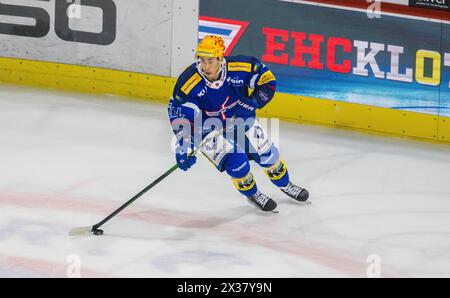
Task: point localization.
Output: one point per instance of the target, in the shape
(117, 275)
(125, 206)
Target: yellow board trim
(300, 109)
(85, 79)
(191, 83)
(372, 119)
(239, 66)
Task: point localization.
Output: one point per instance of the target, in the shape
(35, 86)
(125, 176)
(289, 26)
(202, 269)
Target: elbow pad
(263, 94)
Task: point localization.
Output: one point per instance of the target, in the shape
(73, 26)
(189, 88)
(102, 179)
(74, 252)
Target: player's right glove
(184, 160)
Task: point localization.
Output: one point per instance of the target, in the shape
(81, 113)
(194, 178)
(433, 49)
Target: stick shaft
(167, 173)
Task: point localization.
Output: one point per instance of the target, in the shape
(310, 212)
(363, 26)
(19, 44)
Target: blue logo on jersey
(246, 106)
(236, 81)
(175, 112)
(203, 92)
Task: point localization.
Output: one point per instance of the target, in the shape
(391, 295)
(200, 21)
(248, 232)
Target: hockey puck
(98, 232)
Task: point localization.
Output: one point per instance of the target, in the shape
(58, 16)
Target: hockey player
(214, 90)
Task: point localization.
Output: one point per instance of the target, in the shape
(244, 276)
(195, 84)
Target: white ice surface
(69, 160)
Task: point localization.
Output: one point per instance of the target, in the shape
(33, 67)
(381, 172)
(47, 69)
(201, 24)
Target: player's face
(210, 67)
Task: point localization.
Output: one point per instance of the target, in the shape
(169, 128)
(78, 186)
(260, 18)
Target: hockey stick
(95, 228)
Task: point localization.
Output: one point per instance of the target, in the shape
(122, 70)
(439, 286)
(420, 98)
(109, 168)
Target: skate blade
(259, 211)
(301, 203)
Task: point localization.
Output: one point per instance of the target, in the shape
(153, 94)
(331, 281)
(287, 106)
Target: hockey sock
(238, 167)
(246, 185)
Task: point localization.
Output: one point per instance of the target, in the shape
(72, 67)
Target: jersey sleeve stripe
(192, 106)
(253, 80)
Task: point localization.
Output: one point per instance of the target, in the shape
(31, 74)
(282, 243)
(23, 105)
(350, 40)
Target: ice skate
(262, 201)
(295, 192)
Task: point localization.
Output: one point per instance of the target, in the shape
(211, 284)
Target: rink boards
(403, 90)
(286, 106)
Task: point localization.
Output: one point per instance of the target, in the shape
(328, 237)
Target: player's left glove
(184, 160)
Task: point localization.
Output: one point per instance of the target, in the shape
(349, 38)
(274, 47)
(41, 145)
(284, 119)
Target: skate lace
(260, 199)
(292, 189)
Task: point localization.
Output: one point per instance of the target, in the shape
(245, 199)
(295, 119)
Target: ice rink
(379, 205)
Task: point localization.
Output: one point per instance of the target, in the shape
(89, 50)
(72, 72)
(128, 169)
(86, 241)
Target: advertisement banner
(133, 35)
(435, 4)
(344, 54)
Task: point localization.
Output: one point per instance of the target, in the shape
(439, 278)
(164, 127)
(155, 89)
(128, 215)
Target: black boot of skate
(295, 192)
(262, 201)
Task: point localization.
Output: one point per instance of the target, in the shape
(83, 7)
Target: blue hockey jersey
(195, 96)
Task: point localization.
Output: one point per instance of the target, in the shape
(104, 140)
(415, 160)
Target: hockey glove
(184, 161)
